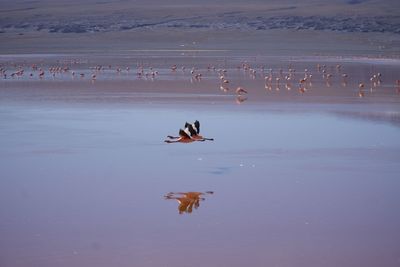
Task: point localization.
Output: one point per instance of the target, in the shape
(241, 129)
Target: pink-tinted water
(298, 179)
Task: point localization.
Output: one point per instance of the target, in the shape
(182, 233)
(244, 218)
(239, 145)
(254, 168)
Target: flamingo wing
(182, 133)
(197, 125)
(191, 130)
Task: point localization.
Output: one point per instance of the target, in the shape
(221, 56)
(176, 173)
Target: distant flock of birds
(288, 78)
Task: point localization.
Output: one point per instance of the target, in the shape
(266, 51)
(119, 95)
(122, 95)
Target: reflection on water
(240, 99)
(188, 200)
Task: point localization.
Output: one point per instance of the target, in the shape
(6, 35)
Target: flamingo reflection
(240, 99)
(187, 200)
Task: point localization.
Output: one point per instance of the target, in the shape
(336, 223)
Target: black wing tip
(191, 130)
(197, 124)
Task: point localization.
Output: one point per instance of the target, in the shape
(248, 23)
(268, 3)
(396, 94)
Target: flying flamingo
(194, 130)
(184, 137)
(188, 135)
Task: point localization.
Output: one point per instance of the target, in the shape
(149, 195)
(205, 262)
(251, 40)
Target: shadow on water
(188, 200)
(221, 170)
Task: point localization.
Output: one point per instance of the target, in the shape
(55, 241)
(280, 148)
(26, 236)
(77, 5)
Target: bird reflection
(187, 200)
(398, 86)
(240, 99)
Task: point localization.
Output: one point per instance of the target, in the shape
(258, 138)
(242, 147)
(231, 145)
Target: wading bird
(240, 91)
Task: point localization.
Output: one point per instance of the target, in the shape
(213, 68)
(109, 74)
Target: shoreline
(227, 43)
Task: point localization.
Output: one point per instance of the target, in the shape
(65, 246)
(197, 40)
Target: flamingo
(184, 137)
(240, 91)
(224, 88)
(194, 130)
(188, 135)
(360, 90)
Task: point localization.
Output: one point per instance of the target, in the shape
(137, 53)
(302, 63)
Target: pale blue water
(84, 186)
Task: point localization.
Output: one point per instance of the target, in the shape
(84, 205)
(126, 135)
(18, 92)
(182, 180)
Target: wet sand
(299, 178)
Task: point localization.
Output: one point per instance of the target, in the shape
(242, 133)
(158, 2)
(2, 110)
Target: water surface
(295, 183)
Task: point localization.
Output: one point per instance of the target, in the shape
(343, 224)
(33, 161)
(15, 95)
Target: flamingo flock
(274, 79)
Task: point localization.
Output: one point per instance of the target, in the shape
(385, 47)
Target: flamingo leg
(171, 141)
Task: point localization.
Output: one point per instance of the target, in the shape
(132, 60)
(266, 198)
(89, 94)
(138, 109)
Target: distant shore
(337, 28)
(225, 21)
